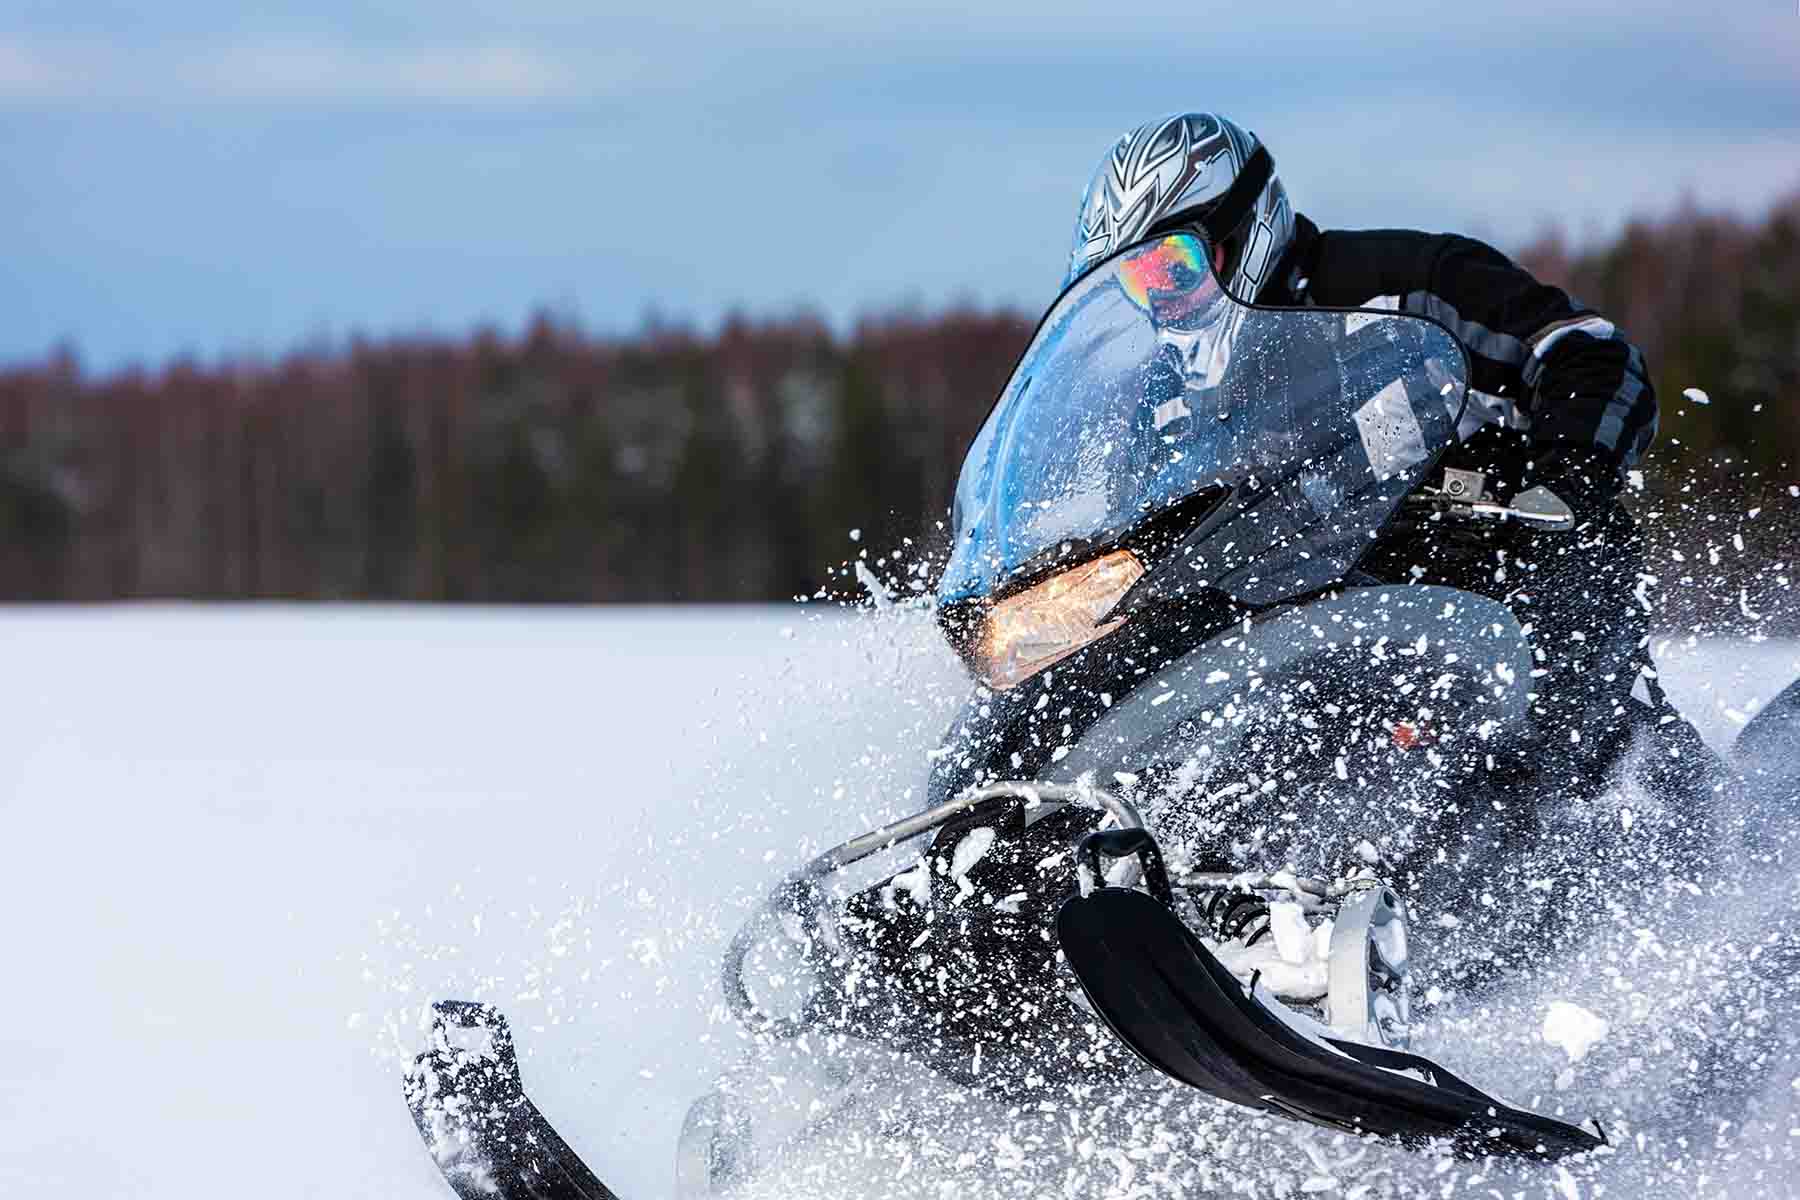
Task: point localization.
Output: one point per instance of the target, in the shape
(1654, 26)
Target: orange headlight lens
(1025, 633)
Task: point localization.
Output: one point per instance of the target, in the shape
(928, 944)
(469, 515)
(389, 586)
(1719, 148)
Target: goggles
(1171, 272)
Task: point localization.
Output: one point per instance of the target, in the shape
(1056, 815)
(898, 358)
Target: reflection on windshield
(1147, 382)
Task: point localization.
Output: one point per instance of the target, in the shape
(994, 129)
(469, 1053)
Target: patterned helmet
(1192, 170)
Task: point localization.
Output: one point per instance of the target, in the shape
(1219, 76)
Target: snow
(970, 850)
(1293, 936)
(233, 833)
(1293, 963)
(246, 846)
(1572, 1029)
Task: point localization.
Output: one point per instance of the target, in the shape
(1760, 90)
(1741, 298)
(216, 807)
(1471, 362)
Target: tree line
(724, 466)
(554, 466)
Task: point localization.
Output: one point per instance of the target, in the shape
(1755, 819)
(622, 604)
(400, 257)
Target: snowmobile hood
(1147, 384)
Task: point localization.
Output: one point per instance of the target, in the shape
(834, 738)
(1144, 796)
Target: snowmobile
(1202, 788)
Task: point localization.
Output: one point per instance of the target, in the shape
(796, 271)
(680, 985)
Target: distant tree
(732, 466)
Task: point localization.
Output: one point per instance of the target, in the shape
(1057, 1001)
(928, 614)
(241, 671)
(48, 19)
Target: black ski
(485, 1134)
(1165, 995)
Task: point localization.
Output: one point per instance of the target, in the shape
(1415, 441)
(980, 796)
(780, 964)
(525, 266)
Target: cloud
(152, 150)
(26, 71)
(321, 72)
(1519, 179)
(302, 71)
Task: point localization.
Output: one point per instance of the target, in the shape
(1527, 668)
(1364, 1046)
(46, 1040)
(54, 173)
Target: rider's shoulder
(1350, 265)
(1371, 262)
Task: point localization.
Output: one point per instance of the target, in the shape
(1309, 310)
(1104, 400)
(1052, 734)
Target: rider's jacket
(1541, 362)
(1558, 397)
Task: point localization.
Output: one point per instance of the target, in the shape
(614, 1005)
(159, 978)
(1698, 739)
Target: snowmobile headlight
(1025, 633)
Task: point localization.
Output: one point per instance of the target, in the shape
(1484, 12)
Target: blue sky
(230, 178)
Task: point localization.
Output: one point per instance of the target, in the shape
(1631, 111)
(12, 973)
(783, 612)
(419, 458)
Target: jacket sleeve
(1581, 386)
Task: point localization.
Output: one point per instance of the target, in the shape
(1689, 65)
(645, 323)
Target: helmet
(1191, 170)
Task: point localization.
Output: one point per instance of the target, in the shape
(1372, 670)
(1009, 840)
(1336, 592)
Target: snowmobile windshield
(1147, 384)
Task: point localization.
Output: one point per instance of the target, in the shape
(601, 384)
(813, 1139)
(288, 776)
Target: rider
(1557, 397)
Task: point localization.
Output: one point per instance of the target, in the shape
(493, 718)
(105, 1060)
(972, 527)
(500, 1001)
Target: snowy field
(244, 846)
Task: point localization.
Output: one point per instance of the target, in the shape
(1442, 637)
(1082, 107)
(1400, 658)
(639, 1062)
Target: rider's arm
(1583, 387)
(1538, 359)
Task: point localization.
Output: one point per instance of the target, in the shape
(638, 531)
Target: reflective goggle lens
(1174, 266)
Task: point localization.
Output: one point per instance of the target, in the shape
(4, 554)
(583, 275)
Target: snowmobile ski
(484, 1133)
(1164, 994)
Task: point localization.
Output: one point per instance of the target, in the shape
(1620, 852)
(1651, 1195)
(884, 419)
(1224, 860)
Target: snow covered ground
(243, 846)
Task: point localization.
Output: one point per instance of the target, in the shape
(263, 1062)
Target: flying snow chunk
(879, 596)
(1293, 936)
(1573, 1029)
(970, 850)
(1696, 395)
(914, 884)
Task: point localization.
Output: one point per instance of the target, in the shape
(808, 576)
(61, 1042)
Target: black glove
(1583, 477)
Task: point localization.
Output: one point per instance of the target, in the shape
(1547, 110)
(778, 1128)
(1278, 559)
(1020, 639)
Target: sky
(228, 179)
